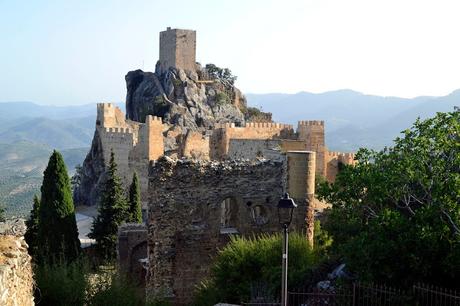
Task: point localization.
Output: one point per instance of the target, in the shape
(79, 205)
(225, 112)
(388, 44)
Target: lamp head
(286, 207)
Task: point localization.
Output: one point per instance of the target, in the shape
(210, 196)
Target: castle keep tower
(178, 49)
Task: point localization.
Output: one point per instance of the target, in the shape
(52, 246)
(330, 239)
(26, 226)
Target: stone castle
(207, 169)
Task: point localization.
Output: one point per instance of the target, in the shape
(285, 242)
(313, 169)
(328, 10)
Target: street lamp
(286, 207)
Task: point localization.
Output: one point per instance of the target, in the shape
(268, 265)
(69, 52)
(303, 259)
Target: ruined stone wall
(16, 277)
(178, 49)
(195, 205)
(195, 145)
(132, 251)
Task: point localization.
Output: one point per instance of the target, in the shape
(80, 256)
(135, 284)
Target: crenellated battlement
(269, 125)
(224, 125)
(110, 115)
(311, 122)
(151, 118)
(118, 130)
(340, 154)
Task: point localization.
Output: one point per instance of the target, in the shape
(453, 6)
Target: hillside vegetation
(21, 172)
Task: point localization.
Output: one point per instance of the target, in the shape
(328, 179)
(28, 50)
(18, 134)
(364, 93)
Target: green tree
(224, 74)
(396, 214)
(32, 223)
(113, 211)
(255, 261)
(57, 228)
(134, 200)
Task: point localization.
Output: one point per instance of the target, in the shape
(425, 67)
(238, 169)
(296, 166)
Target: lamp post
(286, 207)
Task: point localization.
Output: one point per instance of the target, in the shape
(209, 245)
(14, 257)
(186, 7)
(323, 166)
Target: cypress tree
(134, 199)
(113, 210)
(31, 235)
(57, 228)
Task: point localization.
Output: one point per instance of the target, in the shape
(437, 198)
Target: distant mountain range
(353, 119)
(29, 132)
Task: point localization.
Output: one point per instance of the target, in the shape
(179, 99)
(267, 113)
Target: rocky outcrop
(16, 277)
(88, 179)
(182, 99)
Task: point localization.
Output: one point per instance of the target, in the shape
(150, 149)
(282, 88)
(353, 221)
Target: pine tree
(134, 200)
(31, 235)
(57, 228)
(113, 211)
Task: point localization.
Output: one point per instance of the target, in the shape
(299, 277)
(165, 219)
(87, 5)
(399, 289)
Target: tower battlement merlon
(150, 118)
(311, 122)
(178, 49)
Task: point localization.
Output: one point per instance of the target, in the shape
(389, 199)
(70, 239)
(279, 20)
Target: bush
(115, 290)
(247, 261)
(61, 284)
(222, 98)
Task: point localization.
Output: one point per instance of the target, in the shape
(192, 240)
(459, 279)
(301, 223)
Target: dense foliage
(396, 214)
(113, 211)
(245, 262)
(32, 223)
(57, 234)
(224, 74)
(134, 200)
(77, 284)
(60, 284)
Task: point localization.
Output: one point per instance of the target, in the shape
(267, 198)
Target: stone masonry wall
(16, 278)
(178, 49)
(132, 250)
(312, 132)
(195, 145)
(195, 205)
(333, 161)
(263, 148)
(251, 130)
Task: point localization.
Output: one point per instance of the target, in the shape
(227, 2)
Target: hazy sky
(76, 52)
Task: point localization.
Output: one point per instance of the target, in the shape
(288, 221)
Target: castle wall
(178, 49)
(252, 130)
(195, 145)
(153, 138)
(301, 184)
(194, 207)
(312, 132)
(110, 116)
(255, 148)
(333, 162)
(133, 143)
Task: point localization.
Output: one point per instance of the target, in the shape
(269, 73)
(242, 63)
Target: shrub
(222, 98)
(115, 290)
(247, 261)
(61, 284)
